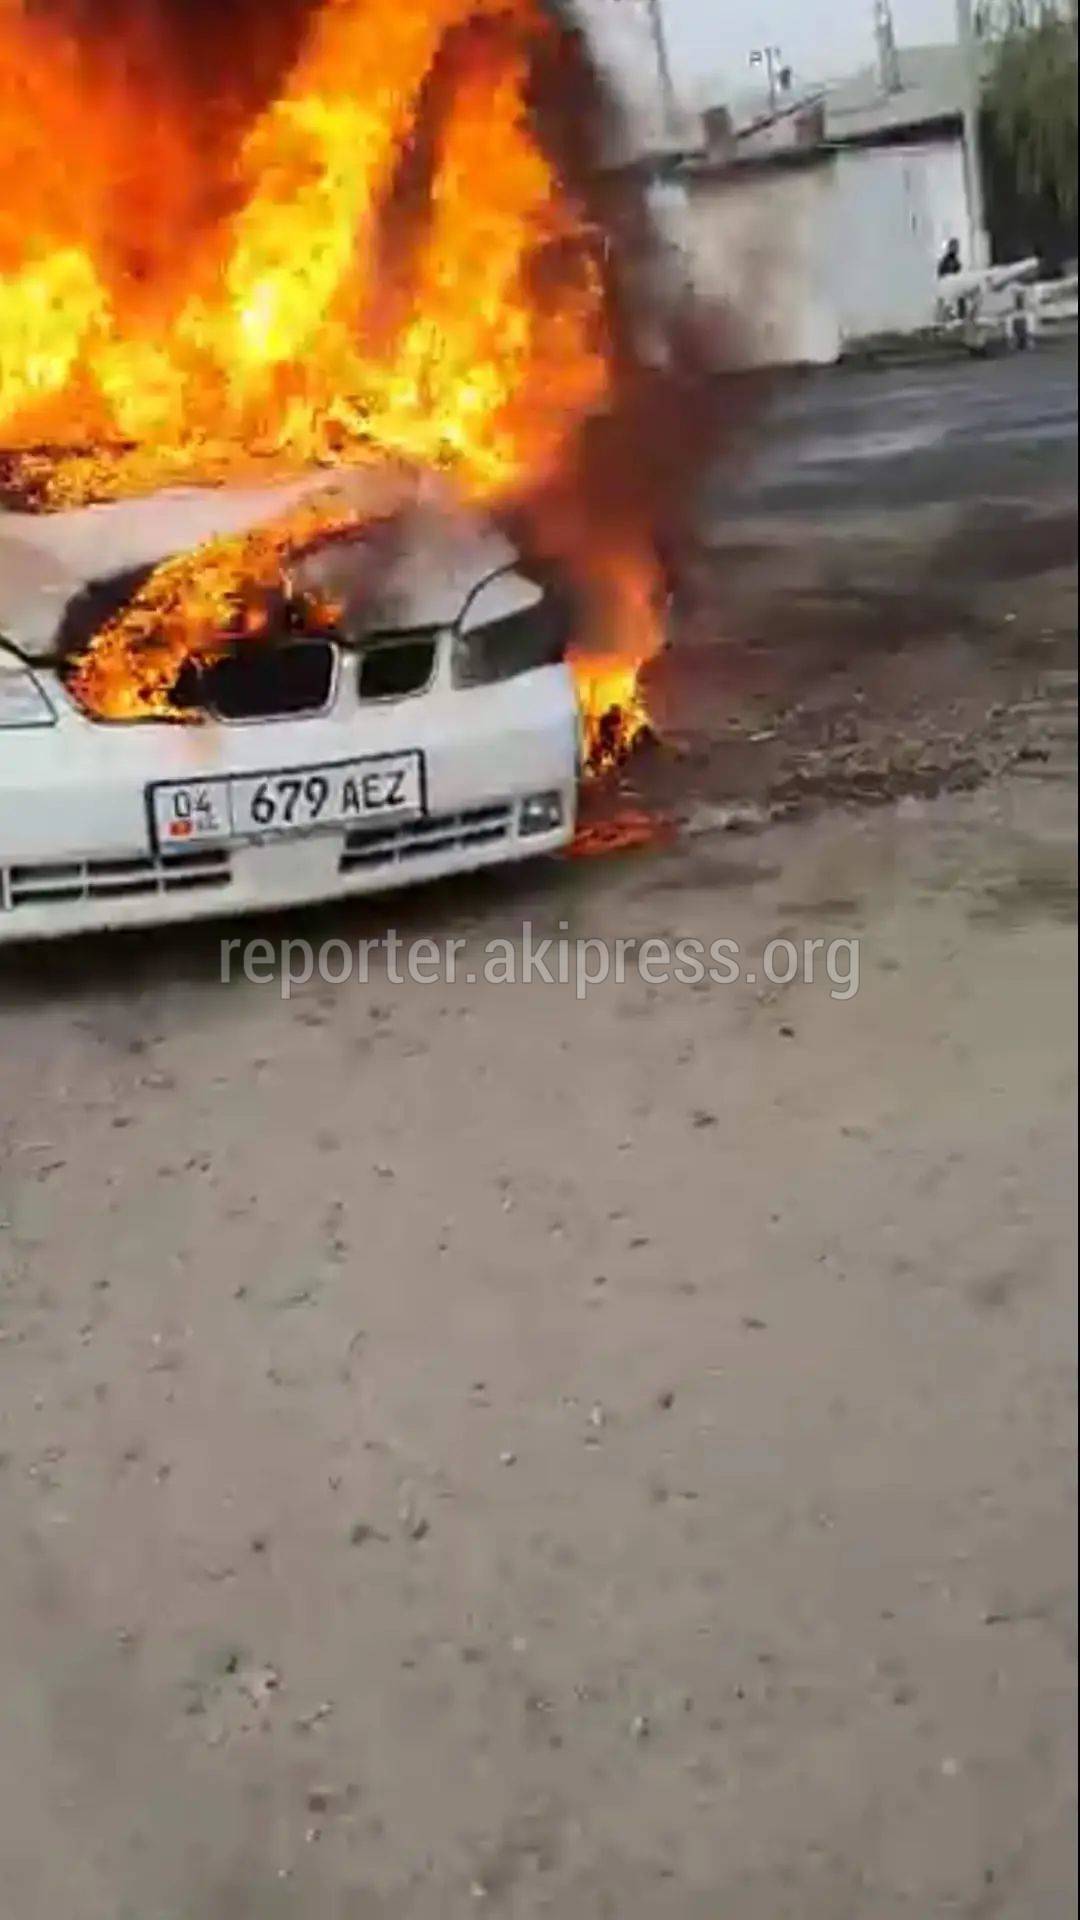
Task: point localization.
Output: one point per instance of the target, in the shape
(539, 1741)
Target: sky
(710, 40)
(819, 38)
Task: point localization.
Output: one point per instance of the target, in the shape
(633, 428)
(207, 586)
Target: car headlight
(510, 626)
(22, 702)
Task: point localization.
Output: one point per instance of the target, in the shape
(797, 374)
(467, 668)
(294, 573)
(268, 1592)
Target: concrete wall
(893, 209)
(816, 255)
(759, 245)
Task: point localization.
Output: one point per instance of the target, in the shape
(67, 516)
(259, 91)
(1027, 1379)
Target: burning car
(397, 708)
(279, 364)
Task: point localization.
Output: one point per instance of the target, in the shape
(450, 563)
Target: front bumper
(75, 848)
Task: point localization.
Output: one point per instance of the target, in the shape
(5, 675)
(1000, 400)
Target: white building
(823, 223)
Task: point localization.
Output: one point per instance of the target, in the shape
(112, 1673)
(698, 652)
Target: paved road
(966, 431)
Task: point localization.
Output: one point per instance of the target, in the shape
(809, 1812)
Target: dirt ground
(469, 1449)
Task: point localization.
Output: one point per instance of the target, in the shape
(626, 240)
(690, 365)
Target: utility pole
(978, 243)
(663, 64)
(772, 60)
(888, 59)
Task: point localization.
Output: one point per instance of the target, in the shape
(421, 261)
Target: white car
(439, 732)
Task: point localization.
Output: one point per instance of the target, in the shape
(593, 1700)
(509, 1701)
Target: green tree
(1030, 101)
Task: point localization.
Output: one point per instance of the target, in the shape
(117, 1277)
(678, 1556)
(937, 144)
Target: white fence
(1005, 305)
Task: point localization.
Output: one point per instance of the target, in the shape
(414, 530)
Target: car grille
(54, 882)
(439, 833)
(393, 666)
(254, 681)
(58, 882)
(257, 681)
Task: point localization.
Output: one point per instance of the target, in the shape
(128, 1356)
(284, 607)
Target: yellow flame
(270, 333)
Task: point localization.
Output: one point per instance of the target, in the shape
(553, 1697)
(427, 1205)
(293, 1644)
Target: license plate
(251, 806)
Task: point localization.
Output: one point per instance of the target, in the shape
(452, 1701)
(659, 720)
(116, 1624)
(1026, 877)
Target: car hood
(429, 554)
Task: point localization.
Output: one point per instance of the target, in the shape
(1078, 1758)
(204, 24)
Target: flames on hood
(400, 257)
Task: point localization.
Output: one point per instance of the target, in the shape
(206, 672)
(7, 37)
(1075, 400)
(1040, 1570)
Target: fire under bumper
(78, 851)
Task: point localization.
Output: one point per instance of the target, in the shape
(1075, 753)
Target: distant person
(950, 260)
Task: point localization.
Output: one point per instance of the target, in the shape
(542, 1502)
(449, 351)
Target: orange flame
(192, 607)
(279, 330)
